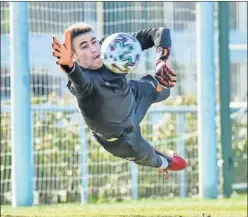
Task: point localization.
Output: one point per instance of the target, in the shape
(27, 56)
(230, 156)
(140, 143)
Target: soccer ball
(121, 53)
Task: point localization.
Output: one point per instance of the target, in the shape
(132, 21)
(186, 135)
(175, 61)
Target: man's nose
(93, 49)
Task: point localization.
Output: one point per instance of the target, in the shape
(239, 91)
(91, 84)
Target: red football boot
(175, 163)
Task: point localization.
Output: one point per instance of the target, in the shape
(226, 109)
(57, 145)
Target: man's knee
(163, 95)
(157, 95)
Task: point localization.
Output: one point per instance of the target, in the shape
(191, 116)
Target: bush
(57, 153)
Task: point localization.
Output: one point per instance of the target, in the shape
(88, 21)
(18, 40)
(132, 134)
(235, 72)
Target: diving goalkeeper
(113, 106)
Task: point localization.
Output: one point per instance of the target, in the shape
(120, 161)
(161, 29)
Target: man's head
(85, 46)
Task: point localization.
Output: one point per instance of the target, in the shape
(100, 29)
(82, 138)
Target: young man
(111, 105)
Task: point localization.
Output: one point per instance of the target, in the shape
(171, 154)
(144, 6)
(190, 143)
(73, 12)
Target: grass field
(234, 207)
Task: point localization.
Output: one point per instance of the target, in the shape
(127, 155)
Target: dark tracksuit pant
(132, 146)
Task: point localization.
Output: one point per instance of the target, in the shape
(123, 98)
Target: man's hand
(164, 75)
(63, 52)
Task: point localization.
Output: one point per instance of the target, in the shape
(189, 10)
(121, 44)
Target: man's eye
(84, 47)
(93, 42)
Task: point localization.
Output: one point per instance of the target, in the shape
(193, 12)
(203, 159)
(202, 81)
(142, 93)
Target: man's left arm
(158, 37)
(161, 39)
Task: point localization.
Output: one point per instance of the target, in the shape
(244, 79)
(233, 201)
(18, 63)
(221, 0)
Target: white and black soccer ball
(121, 52)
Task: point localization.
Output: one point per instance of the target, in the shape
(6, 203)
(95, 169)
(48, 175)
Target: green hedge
(57, 158)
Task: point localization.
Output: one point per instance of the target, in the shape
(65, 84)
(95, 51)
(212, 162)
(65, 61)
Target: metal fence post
(22, 167)
(84, 163)
(181, 151)
(208, 170)
(134, 180)
(224, 80)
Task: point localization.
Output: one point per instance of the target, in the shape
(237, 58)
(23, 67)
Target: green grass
(234, 207)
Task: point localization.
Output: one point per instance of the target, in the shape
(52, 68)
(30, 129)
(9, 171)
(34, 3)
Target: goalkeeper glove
(63, 52)
(164, 75)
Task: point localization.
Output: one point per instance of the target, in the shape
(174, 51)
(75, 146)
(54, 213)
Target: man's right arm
(80, 83)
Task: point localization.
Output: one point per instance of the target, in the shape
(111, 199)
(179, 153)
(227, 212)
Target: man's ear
(74, 56)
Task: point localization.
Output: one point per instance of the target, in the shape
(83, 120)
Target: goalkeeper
(112, 105)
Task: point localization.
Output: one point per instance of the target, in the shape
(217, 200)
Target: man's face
(87, 51)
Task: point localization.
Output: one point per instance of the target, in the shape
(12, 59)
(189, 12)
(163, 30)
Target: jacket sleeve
(79, 84)
(158, 37)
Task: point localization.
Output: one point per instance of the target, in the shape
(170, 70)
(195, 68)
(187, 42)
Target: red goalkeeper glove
(164, 75)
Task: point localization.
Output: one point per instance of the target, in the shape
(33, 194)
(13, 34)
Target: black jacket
(105, 98)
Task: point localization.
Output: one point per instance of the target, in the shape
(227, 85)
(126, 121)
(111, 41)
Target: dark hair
(78, 29)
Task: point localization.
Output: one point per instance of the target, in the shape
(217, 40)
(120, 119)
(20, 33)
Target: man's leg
(146, 93)
(160, 93)
(132, 147)
(146, 155)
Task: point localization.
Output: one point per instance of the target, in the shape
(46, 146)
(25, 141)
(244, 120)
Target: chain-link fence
(57, 131)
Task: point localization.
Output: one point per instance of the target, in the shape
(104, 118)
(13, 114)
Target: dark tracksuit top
(105, 98)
